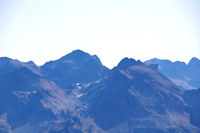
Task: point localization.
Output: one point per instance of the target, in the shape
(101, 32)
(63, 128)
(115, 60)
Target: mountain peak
(127, 62)
(75, 67)
(79, 52)
(5, 59)
(194, 60)
(76, 55)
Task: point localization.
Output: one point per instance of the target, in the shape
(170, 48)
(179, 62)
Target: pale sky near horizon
(43, 30)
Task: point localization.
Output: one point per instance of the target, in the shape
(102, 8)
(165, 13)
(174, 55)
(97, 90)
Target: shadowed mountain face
(134, 97)
(185, 75)
(76, 67)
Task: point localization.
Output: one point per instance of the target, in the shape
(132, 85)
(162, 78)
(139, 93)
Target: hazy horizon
(47, 30)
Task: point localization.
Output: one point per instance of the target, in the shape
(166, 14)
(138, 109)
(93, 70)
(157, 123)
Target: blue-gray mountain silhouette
(77, 94)
(76, 67)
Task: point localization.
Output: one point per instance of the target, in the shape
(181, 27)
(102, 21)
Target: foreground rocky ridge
(76, 93)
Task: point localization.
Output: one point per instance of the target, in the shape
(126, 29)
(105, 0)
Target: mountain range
(185, 75)
(78, 94)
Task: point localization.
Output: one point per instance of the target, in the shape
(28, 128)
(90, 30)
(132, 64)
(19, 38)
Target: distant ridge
(186, 75)
(9, 65)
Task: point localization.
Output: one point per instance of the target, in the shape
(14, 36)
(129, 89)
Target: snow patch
(79, 95)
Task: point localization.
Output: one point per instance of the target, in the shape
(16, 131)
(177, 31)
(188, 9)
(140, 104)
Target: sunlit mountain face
(78, 94)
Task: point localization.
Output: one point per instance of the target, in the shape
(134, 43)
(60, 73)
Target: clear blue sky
(43, 30)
